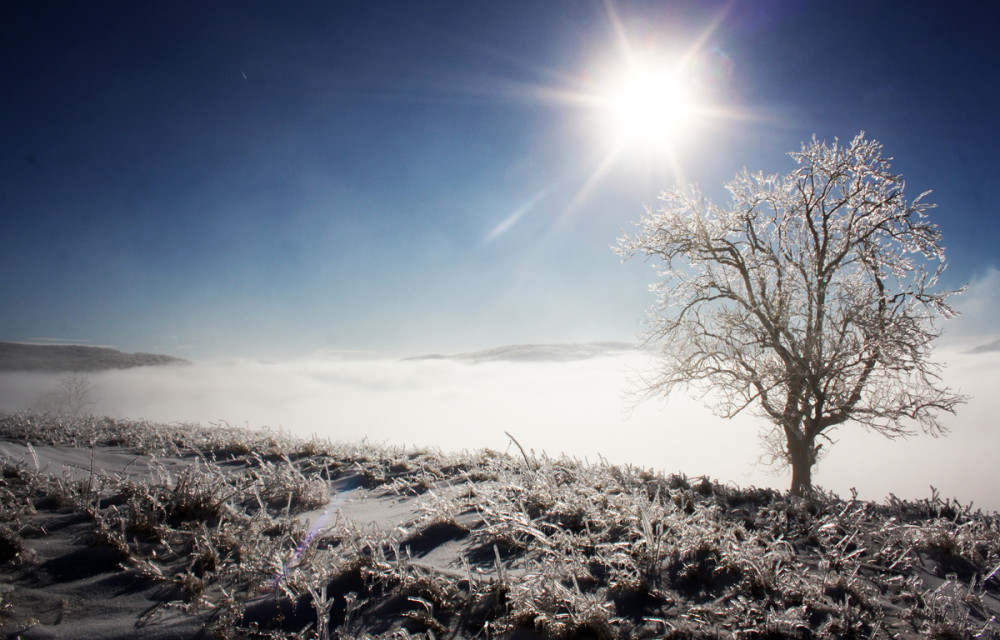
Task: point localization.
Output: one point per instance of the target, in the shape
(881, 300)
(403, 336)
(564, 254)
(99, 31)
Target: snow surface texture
(171, 532)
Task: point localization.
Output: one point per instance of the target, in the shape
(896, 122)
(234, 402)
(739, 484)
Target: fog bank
(581, 408)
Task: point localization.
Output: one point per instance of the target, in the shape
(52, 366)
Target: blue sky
(275, 179)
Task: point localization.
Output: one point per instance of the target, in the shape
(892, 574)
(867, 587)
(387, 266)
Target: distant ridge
(538, 352)
(15, 356)
(987, 347)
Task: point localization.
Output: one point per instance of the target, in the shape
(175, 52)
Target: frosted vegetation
(224, 521)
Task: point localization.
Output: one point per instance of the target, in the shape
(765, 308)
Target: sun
(646, 106)
(650, 105)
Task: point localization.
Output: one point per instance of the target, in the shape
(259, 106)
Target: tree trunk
(801, 456)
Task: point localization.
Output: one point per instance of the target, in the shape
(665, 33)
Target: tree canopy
(811, 298)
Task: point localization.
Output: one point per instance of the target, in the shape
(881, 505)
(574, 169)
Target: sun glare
(652, 105)
(644, 103)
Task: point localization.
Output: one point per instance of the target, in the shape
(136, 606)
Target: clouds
(579, 407)
(980, 309)
(961, 464)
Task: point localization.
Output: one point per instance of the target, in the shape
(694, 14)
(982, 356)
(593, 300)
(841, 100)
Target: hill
(538, 352)
(16, 356)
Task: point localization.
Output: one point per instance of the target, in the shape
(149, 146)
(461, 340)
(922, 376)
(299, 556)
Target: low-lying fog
(579, 407)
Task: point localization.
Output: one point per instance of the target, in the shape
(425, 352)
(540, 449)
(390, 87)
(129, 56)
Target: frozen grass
(497, 546)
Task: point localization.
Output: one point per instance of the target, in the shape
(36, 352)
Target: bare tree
(810, 299)
(72, 397)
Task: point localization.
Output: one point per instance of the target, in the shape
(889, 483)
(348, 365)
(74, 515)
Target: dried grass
(549, 548)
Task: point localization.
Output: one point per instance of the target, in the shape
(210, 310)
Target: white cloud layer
(979, 307)
(580, 408)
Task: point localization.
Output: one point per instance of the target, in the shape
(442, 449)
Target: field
(124, 529)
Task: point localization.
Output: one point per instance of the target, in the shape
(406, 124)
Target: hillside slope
(120, 529)
(15, 356)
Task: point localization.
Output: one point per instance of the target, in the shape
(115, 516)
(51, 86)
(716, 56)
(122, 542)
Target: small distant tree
(71, 397)
(810, 299)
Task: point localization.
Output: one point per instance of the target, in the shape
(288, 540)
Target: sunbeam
(508, 223)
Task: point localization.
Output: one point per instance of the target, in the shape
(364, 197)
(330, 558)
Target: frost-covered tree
(810, 299)
(72, 396)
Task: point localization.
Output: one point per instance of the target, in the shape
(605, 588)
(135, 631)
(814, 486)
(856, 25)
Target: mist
(586, 409)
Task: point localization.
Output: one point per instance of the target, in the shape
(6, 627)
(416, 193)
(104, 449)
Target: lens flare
(332, 508)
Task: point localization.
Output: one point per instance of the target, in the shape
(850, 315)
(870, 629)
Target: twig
(527, 461)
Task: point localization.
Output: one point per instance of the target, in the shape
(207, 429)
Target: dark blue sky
(262, 179)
